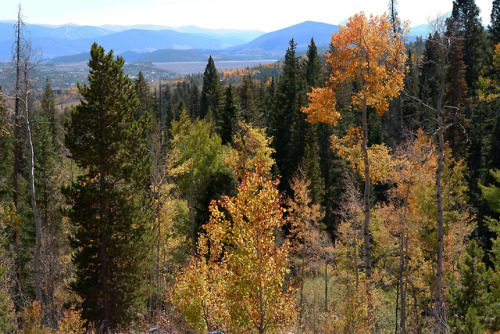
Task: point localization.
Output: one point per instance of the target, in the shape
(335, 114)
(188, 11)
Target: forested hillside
(355, 191)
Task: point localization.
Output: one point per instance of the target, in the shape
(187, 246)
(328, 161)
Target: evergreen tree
(6, 153)
(7, 315)
(466, 22)
(211, 91)
(145, 96)
(194, 107)
(248, 108)
(457, 100)
(229, 116)
(48, 181)
(288, 151)
(168, 111)
(429, 82)
(313, 66)
(312, 166)
(411, 107)
(468, 298)
(494, 279)
(491, 194)
(198, 163)
(109, 206)
(494, 27)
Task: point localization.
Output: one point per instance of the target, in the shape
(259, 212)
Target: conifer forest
(352, 191)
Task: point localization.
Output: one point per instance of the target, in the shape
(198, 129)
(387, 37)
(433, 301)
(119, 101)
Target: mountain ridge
(158, 43)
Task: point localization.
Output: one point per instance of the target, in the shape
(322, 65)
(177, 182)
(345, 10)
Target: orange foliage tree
(366, 51)
(309, 245)
(404, 228)
(237, 281)
(251, 147)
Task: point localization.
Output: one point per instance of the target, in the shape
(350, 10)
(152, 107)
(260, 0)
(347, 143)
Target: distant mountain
(277, 42)
(231, 36)
(151, 43)
(421, 30)
(268, 46)
(69, 32)
(151, 40)
(169, 55)
(76, 58)
(55, 41)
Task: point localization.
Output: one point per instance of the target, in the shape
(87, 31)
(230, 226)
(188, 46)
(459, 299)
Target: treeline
(350, 192)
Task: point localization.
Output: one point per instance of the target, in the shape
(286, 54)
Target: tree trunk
(36, 214)
(17, 55)
(104, 245)
(440, 232)
(301, 297)
(438, 304)
(326, 285)
(366, 195)
(192, 215)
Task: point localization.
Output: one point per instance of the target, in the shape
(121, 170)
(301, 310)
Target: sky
(264, 15)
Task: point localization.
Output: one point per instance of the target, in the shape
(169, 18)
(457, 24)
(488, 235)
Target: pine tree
(494, 27)
(429, 82)
(194, 107)
(468, 298)
(456, 97)
(288, 151)
(109, 208)
(491, 194)
(48, 181)
(246, 95)
(411, 108)
(211, 91)
(313, 66)
(198, 162)
(466, 21)
(145, 97)
(312, 166)
(6, 153)
(229, 116)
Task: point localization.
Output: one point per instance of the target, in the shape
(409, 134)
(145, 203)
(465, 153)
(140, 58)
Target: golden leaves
(365, 51)
(251, 147)
(237, 282)
(489, 90)
(349, 148)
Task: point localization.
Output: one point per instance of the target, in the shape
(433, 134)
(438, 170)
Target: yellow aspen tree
(250, 147)
(308, 243)
(404, 230)
(237, 282)
(366, 51)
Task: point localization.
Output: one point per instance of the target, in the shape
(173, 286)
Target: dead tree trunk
(366, 196)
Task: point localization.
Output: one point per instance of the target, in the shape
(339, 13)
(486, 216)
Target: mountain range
(149, 43)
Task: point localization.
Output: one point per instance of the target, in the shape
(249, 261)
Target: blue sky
(265, 15)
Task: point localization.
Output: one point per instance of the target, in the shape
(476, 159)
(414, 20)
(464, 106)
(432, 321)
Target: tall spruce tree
(456, 96)
(313, 66)
(494, 27)
(229, 116)
(466, 21)
(429, 82)
(6, 153)
(109, 207)
(246, 95)
(468, 298)
(311, 159)
(194, 107)
(211, 91)
(48, 181)
(283, 115)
